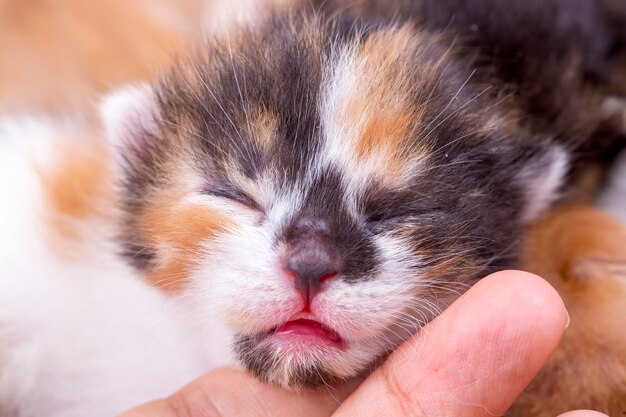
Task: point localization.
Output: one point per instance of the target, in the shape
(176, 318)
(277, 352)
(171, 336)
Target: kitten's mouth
(307, 330)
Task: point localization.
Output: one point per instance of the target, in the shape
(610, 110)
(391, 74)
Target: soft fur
(580, 251)
(81, 334)
(416, 142)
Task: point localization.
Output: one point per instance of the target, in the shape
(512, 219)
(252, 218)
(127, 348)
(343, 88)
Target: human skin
(471, 361)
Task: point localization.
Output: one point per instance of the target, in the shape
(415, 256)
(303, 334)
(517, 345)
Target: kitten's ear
(542, 174)
(129, 116)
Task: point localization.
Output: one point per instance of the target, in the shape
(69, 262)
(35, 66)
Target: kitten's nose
(310, 263)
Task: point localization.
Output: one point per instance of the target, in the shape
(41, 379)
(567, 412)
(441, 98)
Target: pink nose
(310, 264)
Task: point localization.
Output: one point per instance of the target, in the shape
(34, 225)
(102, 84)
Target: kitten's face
(323, 190)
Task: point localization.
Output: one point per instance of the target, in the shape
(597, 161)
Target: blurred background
(59, 55)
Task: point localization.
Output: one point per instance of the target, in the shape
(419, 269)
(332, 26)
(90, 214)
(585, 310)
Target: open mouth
(304, 328)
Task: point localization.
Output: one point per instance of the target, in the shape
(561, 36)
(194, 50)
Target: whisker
(451, 101)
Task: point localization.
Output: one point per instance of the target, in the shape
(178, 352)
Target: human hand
(471, 361)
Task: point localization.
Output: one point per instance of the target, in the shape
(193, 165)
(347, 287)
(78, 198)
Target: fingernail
(569, 320)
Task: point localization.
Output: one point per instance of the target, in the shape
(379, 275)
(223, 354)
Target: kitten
(300, 197)
(580, 251)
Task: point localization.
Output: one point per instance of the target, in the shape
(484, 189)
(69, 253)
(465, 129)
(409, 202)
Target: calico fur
(80, 333)
(416, 149)
(374, 134)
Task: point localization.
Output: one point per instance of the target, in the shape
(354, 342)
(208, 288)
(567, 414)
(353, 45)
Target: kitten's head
(323, 186)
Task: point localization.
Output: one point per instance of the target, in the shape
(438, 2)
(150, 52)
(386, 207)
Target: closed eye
(232, 193)
(391, 214)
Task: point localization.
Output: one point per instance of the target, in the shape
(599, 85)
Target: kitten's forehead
(289, 105)
(247, 103)
(367, 109)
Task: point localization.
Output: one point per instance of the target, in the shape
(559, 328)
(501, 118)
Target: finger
(583, 413)
(474, 359)
(233, 393)
(160, 408)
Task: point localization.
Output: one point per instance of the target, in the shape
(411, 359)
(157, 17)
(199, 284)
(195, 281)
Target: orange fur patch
(264, 129)
(388, 116)
(78, 186)
(177, 230)
(582, 252)
(374, 110)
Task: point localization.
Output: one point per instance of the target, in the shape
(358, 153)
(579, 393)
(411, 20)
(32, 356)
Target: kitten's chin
(296, 355)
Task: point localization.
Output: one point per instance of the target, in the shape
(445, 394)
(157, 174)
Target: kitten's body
(381, 147)
(81, 333)
(581, 252)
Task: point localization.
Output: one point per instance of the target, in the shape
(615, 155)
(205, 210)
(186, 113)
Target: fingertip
(521, 281)
(484, 350)
(537, 294)
(160, 408)
(584, 413)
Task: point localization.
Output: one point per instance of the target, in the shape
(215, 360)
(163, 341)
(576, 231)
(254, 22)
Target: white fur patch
(616, 106)
(82, 336)
(541, 181)
(219, 16)
(343, 81)
(613, 198)
(126, 113)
